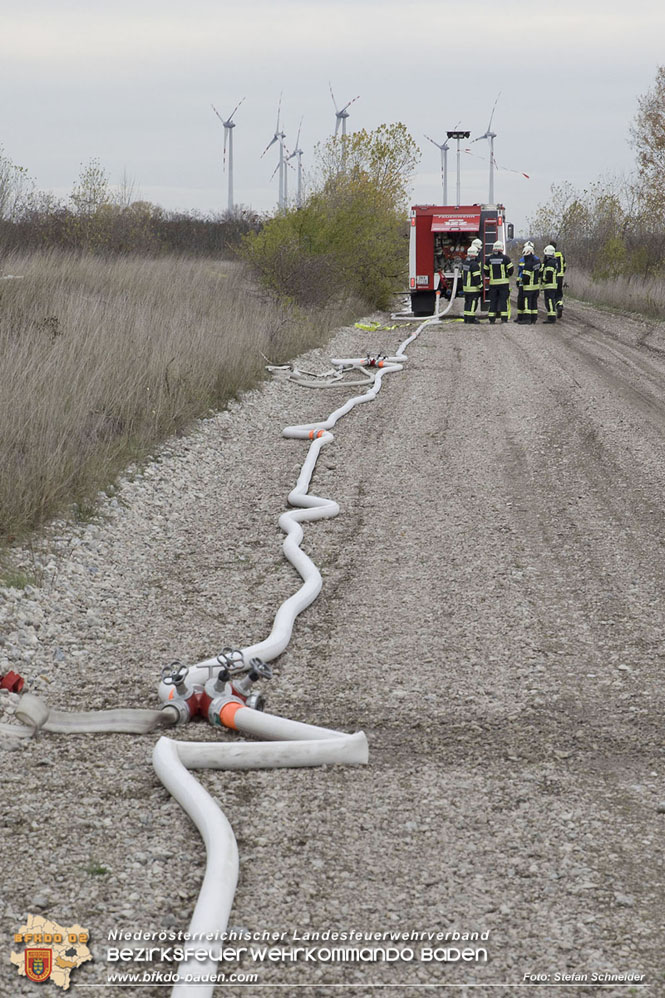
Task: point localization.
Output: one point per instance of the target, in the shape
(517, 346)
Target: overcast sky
(131, 83)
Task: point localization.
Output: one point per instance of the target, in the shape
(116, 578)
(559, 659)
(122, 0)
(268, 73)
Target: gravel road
(491, 617)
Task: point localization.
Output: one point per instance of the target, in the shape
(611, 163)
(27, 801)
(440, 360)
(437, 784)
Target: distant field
(101, 359)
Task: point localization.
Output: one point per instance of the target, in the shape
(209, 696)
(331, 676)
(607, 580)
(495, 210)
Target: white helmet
(528, 247)
(472, 250)
(549, 251)
(478, 243)
(498, 245)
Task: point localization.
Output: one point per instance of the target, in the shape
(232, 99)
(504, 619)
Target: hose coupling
(222, 710)
(12, 681)
(178, 710)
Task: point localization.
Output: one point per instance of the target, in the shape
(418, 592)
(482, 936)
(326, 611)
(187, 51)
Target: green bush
(348, 238)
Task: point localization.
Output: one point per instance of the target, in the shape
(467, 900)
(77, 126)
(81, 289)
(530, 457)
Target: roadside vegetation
(102, 358)
(612, 232)
(351, 229)
(119, 324)
(105, 220)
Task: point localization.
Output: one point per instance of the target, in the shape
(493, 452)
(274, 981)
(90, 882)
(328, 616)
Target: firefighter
(521, 315)
(498, 269)
(548, 282)
(478, 243)
(559, 279)
(530, 285)
(472, 274)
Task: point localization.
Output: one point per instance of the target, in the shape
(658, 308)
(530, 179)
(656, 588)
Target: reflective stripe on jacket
(561, 263)
(498, 267)
(531, 273)
(549, 273)
(472, 276)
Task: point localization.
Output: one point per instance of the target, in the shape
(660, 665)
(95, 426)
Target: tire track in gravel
(507, 560)
(498, 556)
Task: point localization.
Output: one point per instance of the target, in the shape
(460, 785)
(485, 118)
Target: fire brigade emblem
(38, 964)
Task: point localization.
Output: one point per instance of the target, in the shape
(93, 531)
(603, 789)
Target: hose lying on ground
(291, 743)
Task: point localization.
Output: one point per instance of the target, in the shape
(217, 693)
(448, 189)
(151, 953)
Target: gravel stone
(491, 617)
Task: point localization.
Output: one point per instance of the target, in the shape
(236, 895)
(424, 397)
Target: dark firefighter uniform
(498, 269)
(472, 286)
(548, 282)
(521, 315)
(561, 261)
(531, 286)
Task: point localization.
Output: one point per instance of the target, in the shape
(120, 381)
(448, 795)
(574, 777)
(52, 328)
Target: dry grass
(631, 294)
(101, 359)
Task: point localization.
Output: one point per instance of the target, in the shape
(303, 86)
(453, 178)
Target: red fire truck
(439, 237)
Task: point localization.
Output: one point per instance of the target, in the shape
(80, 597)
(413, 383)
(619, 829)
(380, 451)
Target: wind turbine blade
(485, 136)
(279, 108)
(333, 97)
(432, 141)
(217, 113)
(274, 172)
(235, 108)
(298, 136)
(337, 121)
(351, 102)
(489, 127)
(273, 140)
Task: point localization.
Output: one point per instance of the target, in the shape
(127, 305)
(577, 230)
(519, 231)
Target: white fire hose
(188, 691)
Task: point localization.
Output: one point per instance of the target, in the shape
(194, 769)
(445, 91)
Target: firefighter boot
(534, 318)
(559, 311)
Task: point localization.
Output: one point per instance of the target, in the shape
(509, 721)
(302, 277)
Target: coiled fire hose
(226, 704)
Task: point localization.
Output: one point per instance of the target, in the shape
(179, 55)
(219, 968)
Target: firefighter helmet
(549, 250)
(478, 243)
(472, 250)
(498, 245)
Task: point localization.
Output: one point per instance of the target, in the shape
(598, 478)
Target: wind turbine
(299, 153)
(287, 167)
(490, 136)
(229, 125)
(343, 114)
(444, 147)
(278, 137)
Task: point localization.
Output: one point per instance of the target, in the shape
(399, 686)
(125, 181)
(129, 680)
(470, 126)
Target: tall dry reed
(645, 295)
(102, 358)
